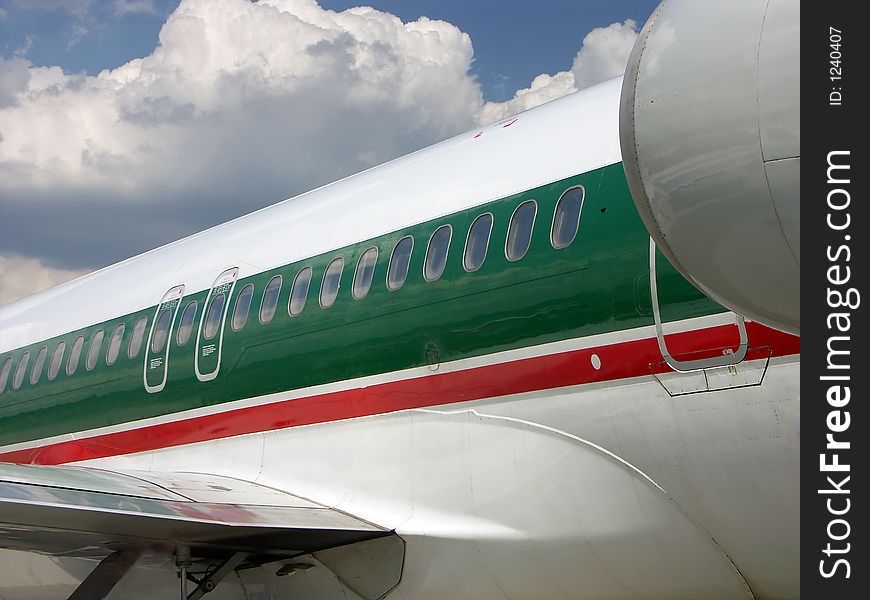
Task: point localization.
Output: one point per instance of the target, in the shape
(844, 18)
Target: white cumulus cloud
(603, 55)
(127, 7)
(240, 105)
(21, 276)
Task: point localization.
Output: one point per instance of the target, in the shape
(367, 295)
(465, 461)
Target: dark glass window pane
(299, 293)
(566, 220)
(436, 253)
(270, 299)
(214, 316)
(399, 262)
(243, 307)
(331, 282)
(365, 270)
(185, 325)
(520, 231)
(477, 242)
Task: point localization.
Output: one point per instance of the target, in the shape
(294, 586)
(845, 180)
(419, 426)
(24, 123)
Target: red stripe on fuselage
(618, 361)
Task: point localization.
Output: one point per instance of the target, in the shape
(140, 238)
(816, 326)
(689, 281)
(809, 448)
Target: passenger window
(185, 326)
(243, 307)
(477, 242)
(399, 262)
(365, 270)
(73, 362)
(94, 350)
(56, 360)
(19, 372)
(270, 299)
(214, 316)
(331, 282)
(137, 337)
(36, 372)
(520, 230)
(566, 219)
(436, 253)
(299, 293)
(115, 344)
(4, 373)
(161, 331)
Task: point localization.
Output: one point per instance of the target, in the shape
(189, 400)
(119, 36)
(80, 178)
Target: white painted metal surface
(570, 135)
(710, 131)
(634, 493)
(632, 487)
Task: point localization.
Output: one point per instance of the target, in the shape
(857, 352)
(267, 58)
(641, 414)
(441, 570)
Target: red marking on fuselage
(617, 361)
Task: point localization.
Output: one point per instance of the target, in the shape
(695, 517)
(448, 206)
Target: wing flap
(75, 511)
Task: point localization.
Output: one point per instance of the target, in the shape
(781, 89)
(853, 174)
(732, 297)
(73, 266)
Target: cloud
(78, 33)
(20, 276)
(14, 77)
(127, 7)
(603, 55)
(75, 7)
(240, 105)
(25, 47)
(3, 13)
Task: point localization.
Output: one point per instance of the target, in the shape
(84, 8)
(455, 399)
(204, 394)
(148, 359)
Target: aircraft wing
(115, 517)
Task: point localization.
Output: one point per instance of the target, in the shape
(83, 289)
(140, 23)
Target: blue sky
(242, 105)
(513, 41)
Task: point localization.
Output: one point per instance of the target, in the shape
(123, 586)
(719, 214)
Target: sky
(126, 124)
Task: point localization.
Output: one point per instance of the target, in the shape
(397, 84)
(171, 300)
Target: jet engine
(710, 137)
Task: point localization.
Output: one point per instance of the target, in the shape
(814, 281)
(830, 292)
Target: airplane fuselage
(494, 390)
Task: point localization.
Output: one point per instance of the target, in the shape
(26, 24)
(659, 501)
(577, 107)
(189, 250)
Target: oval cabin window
(477, 242)
(519, 235)
(566, 219)
(20, 370)
(161, 331)
(399, 263)
(4, 373)
(436, 253)
(331, 282)
(137, 337)
(185, 325)
(115, 344)
(75, 354)
(214, 316)
(365, 271)
(94, 350)
(56, 361)
(299, 293)
(38, 364)
(270, 299)
(243, 307)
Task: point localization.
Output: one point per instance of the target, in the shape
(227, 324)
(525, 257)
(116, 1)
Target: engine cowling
(710, 136)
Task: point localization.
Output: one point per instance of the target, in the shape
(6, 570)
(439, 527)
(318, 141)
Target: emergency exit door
(209, 337)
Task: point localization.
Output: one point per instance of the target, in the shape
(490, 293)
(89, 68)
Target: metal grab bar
(686, 366)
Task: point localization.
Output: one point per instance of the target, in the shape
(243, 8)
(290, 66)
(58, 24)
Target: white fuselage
(613, 489)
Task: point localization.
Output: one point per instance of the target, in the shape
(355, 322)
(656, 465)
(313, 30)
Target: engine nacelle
(710, 136)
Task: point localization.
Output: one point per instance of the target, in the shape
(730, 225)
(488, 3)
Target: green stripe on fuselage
(598, 284)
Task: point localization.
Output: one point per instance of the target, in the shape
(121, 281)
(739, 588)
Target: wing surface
(79, 511)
